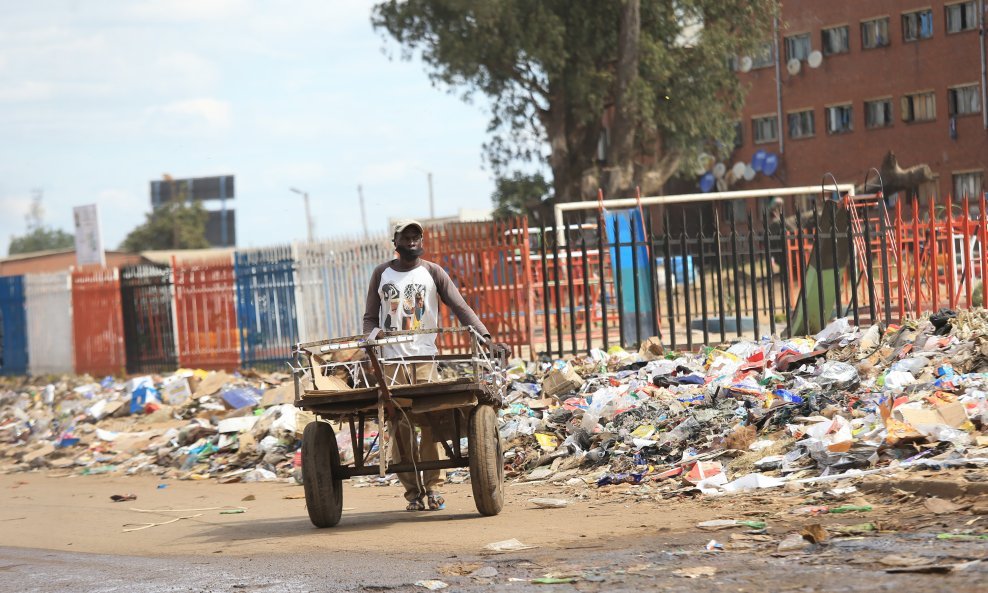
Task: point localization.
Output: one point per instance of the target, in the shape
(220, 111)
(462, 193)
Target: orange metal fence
(206, 314)
(97, 322)
(490, 263)
(933, 257)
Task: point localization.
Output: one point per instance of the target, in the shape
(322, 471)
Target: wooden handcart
(348, 381)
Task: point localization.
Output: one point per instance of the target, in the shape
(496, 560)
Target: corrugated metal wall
(332, 284)
(50, 335)
(13, 326)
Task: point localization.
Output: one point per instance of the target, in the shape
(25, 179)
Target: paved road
(647, 564)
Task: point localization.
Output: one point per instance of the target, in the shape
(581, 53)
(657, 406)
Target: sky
(100, 97)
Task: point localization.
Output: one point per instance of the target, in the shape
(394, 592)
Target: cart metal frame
(470, 390)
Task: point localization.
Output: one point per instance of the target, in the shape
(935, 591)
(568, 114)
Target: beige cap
(404, 224)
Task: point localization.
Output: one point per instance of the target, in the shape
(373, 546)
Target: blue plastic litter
(240, 397)
(142, 395)
(788, 396)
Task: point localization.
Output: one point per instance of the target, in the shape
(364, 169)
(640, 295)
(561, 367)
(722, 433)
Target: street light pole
(432, 202)
(308, 213)
(363, 211)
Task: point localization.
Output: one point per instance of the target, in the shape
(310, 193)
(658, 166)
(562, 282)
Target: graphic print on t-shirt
(413, 306)
(390, 300)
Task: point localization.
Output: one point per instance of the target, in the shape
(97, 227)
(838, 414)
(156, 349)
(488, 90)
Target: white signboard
(88, 236)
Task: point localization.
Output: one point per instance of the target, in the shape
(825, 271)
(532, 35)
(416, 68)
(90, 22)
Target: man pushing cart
(394, 372)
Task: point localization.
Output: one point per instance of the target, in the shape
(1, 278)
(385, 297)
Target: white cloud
(191, 69)
(191, 113)
(27, 90)
(297, 172)
(389, 170)
(188, 10)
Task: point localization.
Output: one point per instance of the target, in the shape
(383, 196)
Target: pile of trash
(192, 424)
(747, 415)
(757, 414)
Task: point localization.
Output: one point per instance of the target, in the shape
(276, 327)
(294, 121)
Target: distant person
(410, 287)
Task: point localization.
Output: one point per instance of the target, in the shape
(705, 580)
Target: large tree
(39, 236)
(175, 225)
(557, 72)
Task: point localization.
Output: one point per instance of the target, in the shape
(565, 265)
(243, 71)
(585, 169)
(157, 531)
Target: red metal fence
(490, 263)
(924, 258)
(97, 322)
(206, 314)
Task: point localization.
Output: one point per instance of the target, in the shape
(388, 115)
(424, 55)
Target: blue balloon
(707, 182)
(758, 160)
(771, 164)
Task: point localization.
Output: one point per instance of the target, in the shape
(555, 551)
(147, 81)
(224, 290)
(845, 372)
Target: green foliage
(549, 70)
(175, 225)
(41, 239)
(518, 194)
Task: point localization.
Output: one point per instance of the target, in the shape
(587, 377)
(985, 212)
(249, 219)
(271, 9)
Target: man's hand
(497, 349)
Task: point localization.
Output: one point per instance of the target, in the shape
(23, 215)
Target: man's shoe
(436, 502)
(415, 505)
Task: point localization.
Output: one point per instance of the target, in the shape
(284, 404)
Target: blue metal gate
(266, 314)
(13, 326)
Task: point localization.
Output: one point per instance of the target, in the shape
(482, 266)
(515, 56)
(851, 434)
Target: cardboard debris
(561, 380)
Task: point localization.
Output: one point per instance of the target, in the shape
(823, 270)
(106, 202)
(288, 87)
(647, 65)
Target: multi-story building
(846, 81)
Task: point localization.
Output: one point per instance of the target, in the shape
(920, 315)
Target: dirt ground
(65, 534)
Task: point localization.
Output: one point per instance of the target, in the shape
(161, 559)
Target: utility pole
(363, 212)
(308, 213)
(432, 202)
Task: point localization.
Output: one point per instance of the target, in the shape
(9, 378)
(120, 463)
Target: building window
(875, 33)
(917, 25)
(798, 47)
(835, 40)
(968, 184)
(878, 113)
(964, 100)
(919, 107)
(839, 119)
(738, 134)
(801, 124)
(764, 129)
(764, 56)
(962, 16)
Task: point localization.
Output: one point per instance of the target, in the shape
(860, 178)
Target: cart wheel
(321, 474)
(486, 461)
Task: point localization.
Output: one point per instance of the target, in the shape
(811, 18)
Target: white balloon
(720, 169)
(749, 173)
(738, 169)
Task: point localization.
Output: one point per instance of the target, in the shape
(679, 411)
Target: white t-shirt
(409, 301)
(405, 300)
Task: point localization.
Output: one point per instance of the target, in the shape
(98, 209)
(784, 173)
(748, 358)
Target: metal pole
(363, 211)
(558, 209)
(309, 223)
(981, 54)
(308, 218)
(432, 202)
(778, 84)
(223, 240)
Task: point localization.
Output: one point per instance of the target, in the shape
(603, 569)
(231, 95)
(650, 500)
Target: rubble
(744, 416)
(751, 415)
(192, 424)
